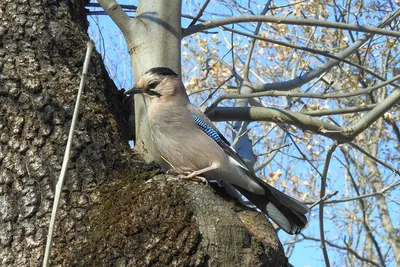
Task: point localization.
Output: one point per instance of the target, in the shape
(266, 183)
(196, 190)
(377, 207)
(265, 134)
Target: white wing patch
(237, 163)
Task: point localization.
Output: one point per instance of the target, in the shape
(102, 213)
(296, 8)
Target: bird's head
(158, 83)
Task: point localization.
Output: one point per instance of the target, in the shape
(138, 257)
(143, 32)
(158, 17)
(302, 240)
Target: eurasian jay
(191, 144)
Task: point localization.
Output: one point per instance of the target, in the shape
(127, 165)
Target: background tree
(335, 74)
(318, 88)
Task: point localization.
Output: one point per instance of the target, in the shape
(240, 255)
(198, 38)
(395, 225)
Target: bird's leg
(195, 174)
(195, 178)
(183, 176)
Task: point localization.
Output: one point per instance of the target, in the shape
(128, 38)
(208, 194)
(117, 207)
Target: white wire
(90, 46)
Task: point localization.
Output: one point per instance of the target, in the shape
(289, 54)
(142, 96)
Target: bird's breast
(182, 143)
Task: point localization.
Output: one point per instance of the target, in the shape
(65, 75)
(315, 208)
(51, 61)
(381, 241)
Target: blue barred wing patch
(207, 129)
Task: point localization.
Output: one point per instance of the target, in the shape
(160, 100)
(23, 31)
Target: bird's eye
(152, 92)
(152, 85)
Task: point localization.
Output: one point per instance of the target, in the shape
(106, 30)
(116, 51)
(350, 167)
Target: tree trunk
(42, 48)
(110, 214)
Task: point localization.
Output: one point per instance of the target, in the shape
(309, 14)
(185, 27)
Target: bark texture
(110, 214)
(141, 220)
(42, 47)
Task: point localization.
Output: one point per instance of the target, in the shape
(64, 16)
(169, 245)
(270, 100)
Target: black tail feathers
(284, 210)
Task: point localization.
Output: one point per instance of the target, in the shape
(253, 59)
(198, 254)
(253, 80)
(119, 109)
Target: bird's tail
(284, 210)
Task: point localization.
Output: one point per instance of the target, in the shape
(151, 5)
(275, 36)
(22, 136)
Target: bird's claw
(172, 172)
(187, 175)
(193, 176)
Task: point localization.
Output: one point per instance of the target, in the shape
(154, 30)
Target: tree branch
(302, 48)
(394, 170)
(347, 199)
(326, 112)
(347, 249)
(299, 81)
(253, 42)
(374, 114)
(117, 14)
(306, 95)
(321, 204)
(200, 13)
(276, 115)
(291, 21)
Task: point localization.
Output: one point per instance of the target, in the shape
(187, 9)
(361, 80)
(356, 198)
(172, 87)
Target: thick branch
(280, 116)
(375, 113)
(117, 14)
(340, 134)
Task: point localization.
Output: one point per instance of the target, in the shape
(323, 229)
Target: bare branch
(321, 204)
(328, 196)
(299, 81)
(302, 48)
(200, 13)
(253, 42)
(306, 95)
(347, 199)
(276, 115)
(117, 14)
(393, 169)
(291, 21)
(272, 152)
(130, 7)
(326, 112)
(347, 249)
(374, 114)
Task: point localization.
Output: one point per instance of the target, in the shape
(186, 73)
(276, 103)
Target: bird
(193, 146)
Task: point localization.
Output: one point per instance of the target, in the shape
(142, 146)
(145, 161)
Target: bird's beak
(133, 91)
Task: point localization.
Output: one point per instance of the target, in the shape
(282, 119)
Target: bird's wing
(286, 211)
(202, 117)
(214, 134)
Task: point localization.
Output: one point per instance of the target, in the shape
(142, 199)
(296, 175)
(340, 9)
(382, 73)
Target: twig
(325, 112)
(131, 8)
(265, 162)
(396, 171)
(302, 48)
(321, 204)
(291, 21)
(347, 249)
(303, 79)
(242, 133)
(253, 42)
(276, 93)
(328, 196)
(200, 13)
(381, 192)
(90, 46)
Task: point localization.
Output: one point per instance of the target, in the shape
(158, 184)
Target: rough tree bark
(114, 210)
(42, 47)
